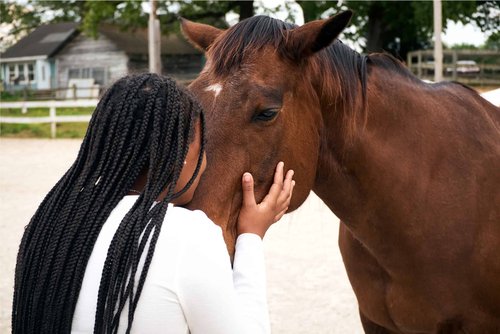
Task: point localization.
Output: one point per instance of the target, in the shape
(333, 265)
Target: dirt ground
(307, 285)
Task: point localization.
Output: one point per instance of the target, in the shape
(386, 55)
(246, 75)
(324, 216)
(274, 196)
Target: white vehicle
(465, 67)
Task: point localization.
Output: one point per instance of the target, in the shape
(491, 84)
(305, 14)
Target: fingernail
(246, 177)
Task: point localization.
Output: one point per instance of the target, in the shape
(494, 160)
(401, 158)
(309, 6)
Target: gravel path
(307, 284)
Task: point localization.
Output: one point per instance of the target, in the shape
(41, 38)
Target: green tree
(128, 14)
(493, 42)
(22, 18)
(464, 46)
(18, 17)
(394, 26)
(402, 26)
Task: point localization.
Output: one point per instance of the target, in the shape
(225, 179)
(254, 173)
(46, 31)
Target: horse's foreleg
(367, 279)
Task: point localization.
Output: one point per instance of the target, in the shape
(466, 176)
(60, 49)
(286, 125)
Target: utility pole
(438, 45)
(154, 39)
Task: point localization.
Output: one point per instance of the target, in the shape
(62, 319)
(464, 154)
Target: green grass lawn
(36, 112)
(42, 130)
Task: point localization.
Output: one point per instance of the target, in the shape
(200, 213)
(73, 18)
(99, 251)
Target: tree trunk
(375, 31)
(312, 9)
(246, 9)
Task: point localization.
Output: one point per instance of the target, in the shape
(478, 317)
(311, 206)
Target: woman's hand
(257, 218)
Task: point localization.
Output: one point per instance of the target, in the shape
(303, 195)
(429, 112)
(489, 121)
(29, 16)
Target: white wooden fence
(53, 119)
(492, 96)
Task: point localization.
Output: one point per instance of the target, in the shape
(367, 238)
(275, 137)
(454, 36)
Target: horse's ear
(199, 34)
(316, 35)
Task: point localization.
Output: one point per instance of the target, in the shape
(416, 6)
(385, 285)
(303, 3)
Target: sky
(457, 33)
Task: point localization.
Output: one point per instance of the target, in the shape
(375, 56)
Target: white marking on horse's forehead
(216, 88)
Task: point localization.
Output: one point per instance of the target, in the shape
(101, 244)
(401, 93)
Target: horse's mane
(243, 39)
(343, 71)
(388, 62)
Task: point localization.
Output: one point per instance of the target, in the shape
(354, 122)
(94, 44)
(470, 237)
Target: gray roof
(46, 40)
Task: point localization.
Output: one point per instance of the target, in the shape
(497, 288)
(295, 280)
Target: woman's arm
(218, 299)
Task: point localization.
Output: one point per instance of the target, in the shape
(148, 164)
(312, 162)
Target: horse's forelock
(248, 36)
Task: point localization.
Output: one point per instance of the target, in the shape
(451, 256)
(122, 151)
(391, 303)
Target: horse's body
(421, 233)
(411, 169)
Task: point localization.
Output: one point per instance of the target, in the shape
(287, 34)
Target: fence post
(52, 114)
(419, 61)
(454, 60)
(74, 92)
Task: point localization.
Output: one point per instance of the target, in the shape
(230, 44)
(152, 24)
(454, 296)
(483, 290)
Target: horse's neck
(335, 183)
(346, 162)
(427, 157)
(418, 147)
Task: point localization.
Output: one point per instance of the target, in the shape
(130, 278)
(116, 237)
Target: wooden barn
(56, 57)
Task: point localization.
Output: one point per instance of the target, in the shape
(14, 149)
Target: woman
(105, 252)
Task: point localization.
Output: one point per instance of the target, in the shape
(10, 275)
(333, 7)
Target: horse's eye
(265, 115)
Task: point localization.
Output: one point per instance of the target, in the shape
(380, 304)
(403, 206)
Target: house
(31, 61)
(58, 56)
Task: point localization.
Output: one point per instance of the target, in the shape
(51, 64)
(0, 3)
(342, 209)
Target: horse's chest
(398, 304)
(395, 306)
(409, 309)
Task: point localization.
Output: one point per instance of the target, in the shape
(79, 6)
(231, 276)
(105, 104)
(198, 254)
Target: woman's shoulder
(194, 222)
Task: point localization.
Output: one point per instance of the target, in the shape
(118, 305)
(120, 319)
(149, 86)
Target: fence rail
(73, 92)
(65, 93)
(53, 118)
(421, 63)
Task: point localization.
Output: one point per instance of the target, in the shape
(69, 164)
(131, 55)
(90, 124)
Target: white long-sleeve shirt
(190, 286)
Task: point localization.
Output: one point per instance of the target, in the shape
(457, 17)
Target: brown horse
(411, 169)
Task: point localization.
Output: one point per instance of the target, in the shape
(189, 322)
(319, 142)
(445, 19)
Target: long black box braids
(143, 122)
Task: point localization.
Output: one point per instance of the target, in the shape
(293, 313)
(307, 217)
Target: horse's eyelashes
(265, 115)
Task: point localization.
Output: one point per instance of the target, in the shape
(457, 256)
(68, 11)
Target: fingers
(257, 219)
(283, 206)
(277, 184)
(248, 192)
(279, 215)
(287, 187)
(280, 194)
(278, 175)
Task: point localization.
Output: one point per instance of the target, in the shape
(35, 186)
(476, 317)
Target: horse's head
(260, 96)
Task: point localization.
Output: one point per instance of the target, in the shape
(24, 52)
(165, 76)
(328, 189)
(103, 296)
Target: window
(99, 76)
(12, 73)
(21, 73)
(96, 73)
(86, 73)
(74, 73)
(31, 72)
